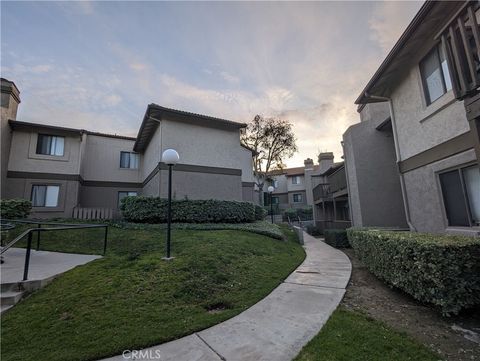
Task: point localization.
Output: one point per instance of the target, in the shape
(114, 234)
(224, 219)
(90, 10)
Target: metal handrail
(30, 231)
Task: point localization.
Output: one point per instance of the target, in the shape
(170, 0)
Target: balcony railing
(461, 44)
(321, 191)
(337, 180)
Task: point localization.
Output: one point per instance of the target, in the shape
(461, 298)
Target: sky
(97, 65)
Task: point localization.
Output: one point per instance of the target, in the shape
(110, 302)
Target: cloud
(138, 66)
(389, 20)
(229, 78)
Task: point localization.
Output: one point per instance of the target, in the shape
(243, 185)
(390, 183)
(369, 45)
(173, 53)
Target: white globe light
(170, 157)
(271, 189)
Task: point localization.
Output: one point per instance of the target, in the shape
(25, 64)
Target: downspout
(398, 156)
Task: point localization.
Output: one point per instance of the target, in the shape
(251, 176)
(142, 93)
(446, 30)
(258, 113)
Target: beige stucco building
(65, 171)
(412, 161)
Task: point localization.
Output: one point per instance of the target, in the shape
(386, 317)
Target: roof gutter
(398, 157)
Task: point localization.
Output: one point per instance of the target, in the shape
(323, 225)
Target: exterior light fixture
(270, 190)
(170, 157)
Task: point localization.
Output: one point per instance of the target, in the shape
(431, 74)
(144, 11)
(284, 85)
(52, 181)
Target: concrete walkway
(43, 265)
(277, 327)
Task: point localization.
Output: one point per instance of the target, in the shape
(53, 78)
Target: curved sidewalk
(277, 327)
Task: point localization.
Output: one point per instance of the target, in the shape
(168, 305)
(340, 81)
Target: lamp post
(270, 190)
(170, 157)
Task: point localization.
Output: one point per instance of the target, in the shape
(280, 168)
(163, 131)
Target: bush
(443, 270)
(15, 208)
(337, 238)
(305, 214)
(263, 228)
(260, 213)
(314, 230)
(154, 210)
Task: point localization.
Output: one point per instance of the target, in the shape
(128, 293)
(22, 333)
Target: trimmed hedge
(154, 210)
(263, 228)
(15, 208)
(337, 238)
(314, 230)
(305, 214)
(260, 213)
(443, 270)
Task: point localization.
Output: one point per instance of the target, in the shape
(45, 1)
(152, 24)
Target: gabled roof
(156, 113)
(426, 23)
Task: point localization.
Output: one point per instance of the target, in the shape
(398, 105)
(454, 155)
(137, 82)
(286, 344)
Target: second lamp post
(170, 157)
(270, 190)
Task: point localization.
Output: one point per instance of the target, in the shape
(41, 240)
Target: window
(50, 145)
(435, 75)
(275, 183)
(45, 196)
(297, 198)
(123, 194)
(461, 196)
(296, 179)
(129, 160)
(275, 200)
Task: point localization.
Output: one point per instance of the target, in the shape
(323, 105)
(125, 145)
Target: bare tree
(272, 141)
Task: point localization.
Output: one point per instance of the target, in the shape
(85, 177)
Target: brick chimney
(325, 160)
(10, 98)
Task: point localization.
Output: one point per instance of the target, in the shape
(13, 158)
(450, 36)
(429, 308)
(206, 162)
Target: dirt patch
(454, 338)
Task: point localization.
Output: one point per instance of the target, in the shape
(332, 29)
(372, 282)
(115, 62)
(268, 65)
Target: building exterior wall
(101, 160)
(206, 146)
(152, 155)
(425, 195)
(23, 157)
(213, 164)
(430, 138)
(202, 185)
(103, 197)
(67, 200)
(373, 180)
(420, 127)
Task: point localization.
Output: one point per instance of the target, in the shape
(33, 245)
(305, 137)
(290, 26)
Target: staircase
(11, 293)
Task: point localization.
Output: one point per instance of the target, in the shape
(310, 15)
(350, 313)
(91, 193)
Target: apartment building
(63, 170)
(413, 161)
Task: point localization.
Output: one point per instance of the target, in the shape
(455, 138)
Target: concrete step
(5, 308)
(11, 286)
(10, 298)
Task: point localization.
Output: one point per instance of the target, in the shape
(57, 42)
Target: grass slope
(352, 336)
(132, 299)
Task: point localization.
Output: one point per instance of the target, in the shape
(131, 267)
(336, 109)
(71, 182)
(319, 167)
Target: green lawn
(352, 336)
(132, 299)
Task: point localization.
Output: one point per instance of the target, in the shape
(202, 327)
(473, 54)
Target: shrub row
(154, 210)
(260, 213)
(15, 208)
(305, 214)
(443, 270)
(263, 228)
(336, 238)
